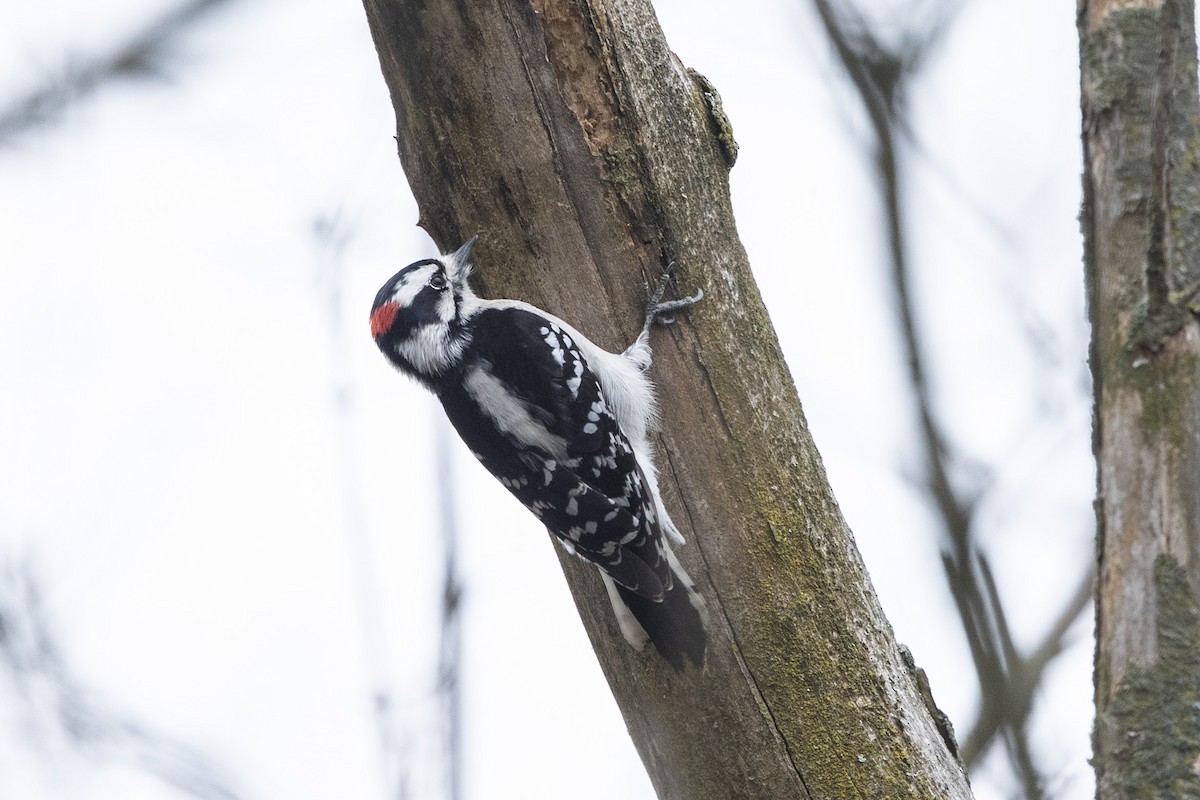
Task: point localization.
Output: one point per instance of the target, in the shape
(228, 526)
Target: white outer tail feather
(631, 629)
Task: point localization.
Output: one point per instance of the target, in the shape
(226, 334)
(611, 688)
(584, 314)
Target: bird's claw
(656, 309)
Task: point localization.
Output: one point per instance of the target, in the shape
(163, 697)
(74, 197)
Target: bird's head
(419, 318)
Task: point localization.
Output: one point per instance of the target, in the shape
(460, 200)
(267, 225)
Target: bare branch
(571, 135)
(1026, 674)
(142, 56)
(881, 79)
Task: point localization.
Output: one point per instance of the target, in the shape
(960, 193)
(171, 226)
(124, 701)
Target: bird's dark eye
(438, 281)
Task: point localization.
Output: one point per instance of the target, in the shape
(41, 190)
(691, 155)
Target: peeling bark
(571, 138)
(1141, 222)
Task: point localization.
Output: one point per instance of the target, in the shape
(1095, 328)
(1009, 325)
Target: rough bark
(1141, 221)
(570, 137)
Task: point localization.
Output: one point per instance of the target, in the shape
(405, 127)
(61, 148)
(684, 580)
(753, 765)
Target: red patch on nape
(382, 319)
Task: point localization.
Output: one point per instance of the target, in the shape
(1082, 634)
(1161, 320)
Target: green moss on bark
(1121, 63)
(1167, 391)
(1148, 331)
(1156, 708)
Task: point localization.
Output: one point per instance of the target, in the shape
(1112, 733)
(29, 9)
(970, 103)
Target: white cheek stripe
(509, 413)
(430, 349)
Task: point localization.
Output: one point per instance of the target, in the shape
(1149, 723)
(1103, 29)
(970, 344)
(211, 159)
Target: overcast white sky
(228, 559)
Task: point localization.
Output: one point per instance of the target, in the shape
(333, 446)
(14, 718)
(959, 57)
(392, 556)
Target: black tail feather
(674, 625)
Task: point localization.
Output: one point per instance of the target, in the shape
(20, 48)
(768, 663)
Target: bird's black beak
(463, 254)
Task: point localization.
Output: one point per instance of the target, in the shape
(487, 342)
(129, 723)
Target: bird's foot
(659, 311)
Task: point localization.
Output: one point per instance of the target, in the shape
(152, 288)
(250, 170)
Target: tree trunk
(1141, 222)
(571, 138)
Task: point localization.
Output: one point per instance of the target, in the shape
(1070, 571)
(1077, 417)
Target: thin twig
(332, 234)
(142, 55)
(450, 658)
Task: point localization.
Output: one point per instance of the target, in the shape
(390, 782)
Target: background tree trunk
(1141, 221)
(574, 141)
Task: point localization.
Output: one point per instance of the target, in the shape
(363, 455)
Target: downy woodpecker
(562, 424)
